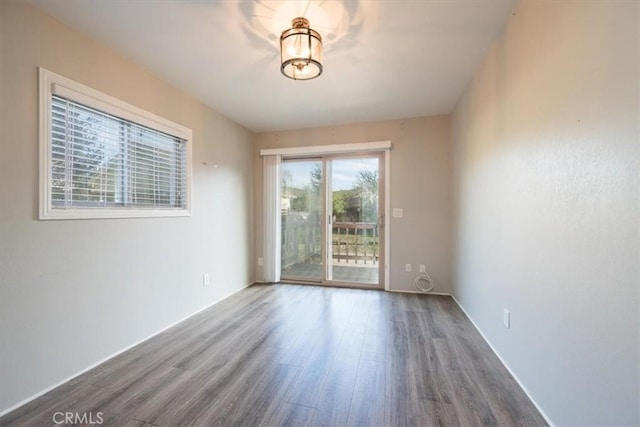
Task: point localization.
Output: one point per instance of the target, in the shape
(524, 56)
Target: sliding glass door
(354, 206)
(302, 220)
(331, 211)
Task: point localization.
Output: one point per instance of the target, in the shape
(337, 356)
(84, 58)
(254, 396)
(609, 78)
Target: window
(103, 158)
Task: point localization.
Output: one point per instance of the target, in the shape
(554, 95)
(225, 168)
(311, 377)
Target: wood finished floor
(361, 273)
(302, 355)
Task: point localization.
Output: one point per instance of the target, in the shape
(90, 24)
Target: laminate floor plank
(221, 341)
(212, 392)
(267, 396)
(478, 359)
(401, 403)
(336, 395)
(376, 335)
(306, 391)
(137, 423)
(41, 411)
(467, 396)
(422, 361)
(438, 414)
(351, 342)
(119, 406)
(367, 403)
(238, 405)
(168, 401)
(154, 352)
(300, 355)
(296, 336)
(290, 415)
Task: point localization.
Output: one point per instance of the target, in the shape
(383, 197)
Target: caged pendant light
(301, 51)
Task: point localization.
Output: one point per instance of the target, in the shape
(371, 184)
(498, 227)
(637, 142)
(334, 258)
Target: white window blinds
(99, 160)
(272, 250)
(101, 157)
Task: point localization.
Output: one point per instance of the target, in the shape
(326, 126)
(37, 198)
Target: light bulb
(298, 53)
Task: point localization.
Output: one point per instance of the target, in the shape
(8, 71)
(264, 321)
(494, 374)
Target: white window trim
(359, 147)
(51, 83)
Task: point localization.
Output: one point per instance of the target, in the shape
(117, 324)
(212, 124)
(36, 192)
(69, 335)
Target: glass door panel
(353, 203)
(302, 214)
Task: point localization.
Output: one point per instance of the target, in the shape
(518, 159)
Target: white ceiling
(383, 59)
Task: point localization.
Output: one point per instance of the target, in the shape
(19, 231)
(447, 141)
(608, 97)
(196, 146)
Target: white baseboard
(58, 384)
(402, 291)
(544, 415)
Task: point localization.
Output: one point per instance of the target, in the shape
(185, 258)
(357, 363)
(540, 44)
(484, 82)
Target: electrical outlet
(506, 319)
(407, 268)
(423, 268)
(206, 279)
(260, 261)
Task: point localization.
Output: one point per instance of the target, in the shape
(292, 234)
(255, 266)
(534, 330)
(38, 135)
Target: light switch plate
(398, 212)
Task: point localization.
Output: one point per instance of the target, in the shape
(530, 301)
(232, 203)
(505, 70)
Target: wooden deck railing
(355, 242)
(301, 240)
(351, 243)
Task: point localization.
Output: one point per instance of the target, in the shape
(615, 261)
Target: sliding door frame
(381, 219)
(322, 208)
(382, 147)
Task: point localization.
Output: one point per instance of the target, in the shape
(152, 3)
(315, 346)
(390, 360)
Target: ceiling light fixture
(301, 51)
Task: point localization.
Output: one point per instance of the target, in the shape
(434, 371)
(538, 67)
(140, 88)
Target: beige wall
(546, 141)
(75, 292)
(420, 184)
